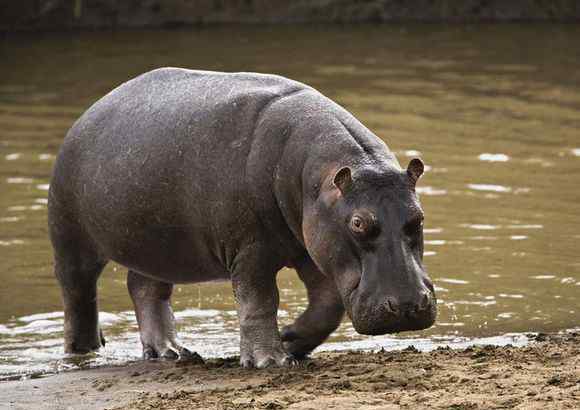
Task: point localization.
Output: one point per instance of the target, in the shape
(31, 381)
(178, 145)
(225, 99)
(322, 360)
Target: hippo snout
(394, 314)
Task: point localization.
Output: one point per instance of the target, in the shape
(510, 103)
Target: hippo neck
(312, 153)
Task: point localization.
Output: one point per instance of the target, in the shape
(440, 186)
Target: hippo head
(365, 229)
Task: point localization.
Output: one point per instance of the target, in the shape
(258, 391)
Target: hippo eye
(363, 226)
(357, 224)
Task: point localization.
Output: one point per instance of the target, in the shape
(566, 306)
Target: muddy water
(493, 110)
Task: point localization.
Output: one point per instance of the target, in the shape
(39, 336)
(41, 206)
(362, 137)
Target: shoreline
(87, 15)
(71, 363)
(545, 374)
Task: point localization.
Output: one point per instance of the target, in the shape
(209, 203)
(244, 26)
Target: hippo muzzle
(376, 312)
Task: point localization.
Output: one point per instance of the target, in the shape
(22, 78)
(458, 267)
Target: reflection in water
(497, 123)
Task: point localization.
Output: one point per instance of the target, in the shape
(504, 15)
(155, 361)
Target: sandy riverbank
(542, 375)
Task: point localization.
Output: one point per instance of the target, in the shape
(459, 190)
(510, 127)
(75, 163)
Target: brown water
(493, 110)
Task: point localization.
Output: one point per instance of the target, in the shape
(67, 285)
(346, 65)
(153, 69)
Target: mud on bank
(542, 375)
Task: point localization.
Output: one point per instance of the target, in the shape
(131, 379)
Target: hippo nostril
(425, 301)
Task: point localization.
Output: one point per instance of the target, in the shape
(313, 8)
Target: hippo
(186, 176)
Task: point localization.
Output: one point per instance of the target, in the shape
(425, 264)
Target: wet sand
(543, 375)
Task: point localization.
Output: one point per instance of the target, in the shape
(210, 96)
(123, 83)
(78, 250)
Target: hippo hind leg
(155, 318)
(321, 318)
(77, 268)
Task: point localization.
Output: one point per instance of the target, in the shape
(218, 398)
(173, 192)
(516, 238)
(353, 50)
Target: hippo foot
(84, 345)
(170, 352)
(297, 345)
(260, 359)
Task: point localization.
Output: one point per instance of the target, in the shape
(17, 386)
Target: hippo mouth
(378, 316)
(381, 320)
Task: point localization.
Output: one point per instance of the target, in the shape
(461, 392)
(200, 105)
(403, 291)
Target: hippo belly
(154, 171)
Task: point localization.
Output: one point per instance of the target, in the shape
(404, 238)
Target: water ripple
(489, 188)
(493, 157)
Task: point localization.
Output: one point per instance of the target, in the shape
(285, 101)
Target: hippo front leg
(255, 289)
(321, 318)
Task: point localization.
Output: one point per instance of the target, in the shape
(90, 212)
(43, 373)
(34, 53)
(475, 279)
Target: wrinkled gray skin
(189, 176)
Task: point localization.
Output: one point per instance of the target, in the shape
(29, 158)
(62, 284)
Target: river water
(493, 110)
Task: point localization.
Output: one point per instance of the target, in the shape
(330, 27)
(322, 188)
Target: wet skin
(189, 176)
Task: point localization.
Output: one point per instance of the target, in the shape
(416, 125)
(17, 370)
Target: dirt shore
(543, 375)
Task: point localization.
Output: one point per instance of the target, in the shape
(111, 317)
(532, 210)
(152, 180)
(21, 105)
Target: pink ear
(415, 169)
(343, 179)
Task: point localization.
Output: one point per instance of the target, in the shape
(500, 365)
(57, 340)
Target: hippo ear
(415, 169)
(343, 180)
